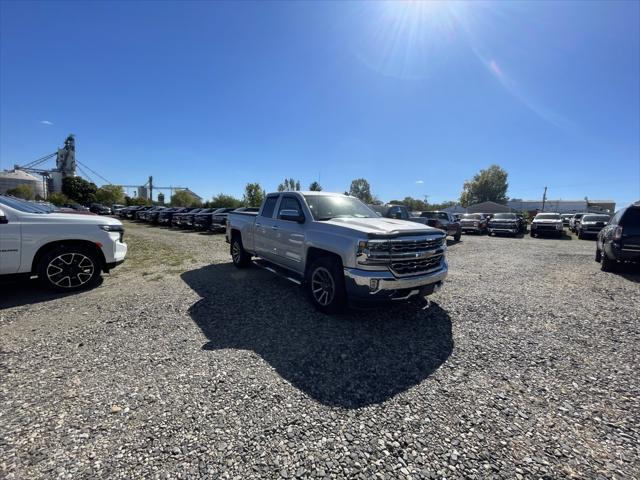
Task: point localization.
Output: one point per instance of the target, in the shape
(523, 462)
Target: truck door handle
(258, 224)
(274, 227)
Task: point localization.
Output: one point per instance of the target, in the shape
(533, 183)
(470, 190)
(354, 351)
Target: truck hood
(382, 226)
(72, 219)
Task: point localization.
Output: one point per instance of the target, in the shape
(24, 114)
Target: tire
(457, 236)
(607, 265)
(325, 285)
(532, 234)
(239, 256)
(580, 235)
(69, 269)
(598, 255)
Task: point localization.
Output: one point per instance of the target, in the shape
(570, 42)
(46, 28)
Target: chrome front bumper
(370, 285)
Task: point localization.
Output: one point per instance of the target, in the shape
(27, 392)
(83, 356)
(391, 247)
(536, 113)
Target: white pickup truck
(66, 251)
(339, 248)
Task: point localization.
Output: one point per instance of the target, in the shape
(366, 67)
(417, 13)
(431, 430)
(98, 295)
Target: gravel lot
(180, 366)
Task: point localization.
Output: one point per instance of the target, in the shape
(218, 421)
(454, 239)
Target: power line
(94, 172)
(86, 174)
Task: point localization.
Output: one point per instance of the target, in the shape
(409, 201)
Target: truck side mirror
(292, 216)
(3, 218)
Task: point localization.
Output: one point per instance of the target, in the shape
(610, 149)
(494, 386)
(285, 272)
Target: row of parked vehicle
(203, 219)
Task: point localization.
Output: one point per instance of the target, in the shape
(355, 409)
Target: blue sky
(414, 97)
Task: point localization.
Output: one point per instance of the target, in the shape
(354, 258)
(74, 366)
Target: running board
(279, 271)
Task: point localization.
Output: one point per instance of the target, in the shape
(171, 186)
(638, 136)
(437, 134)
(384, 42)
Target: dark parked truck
(619, 240)
(399, 212)
(473, 223)
(339, 248)
(444, 221)
(507, 223)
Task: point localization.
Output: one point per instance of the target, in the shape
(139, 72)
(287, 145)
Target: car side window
(289, 203)
(269, 207)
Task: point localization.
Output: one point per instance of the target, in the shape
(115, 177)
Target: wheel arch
(48, 247)
(313, 253)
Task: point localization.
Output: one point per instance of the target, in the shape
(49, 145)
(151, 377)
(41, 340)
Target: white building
(563, 206)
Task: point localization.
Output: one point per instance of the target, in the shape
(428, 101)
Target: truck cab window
(289, 203)
(269, 207)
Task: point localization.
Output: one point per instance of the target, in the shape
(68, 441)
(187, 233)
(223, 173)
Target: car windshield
(326, 207)
(547, 216)
(596, 218)
(504, 216)
(22, 205)
(472, 216)
(440, 215)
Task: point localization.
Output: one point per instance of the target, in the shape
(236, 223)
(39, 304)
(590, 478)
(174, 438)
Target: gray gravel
(180, 366)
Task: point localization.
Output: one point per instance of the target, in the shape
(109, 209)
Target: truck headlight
(112, 228)
(559, 226)
(533, 226)
(376, 250)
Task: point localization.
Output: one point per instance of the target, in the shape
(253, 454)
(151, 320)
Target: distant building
(143, 192)
(455, 209)
(13, 178)
(489, 207)
(161, 198)
(564, 206)
(194, 196)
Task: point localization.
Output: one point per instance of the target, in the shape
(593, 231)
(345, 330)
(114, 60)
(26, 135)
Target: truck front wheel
(457, 236)
(69, 268)
(325, 285)
(241, 259)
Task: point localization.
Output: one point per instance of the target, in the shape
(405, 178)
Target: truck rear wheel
(241, 259)
(606, 265)
(69, 268)
(457, 236)
(325, 285)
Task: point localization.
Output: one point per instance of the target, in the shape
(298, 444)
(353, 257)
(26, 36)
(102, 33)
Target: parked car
(219, 220)
(504, 223)
(66, 252)
(116, 207)
(140, 213)
(444, 221)
(619, 240)
(339, 248)
(188, 219)
(165, 217)
(473, 223)
(547, 224)
(151, 215)
(99, 209)
(127, 212)
(591, 224)
(574, 222)
(522, 223)
(76, 206)
(398, 212)
(179, 219)
(566, 218)
(145, 215)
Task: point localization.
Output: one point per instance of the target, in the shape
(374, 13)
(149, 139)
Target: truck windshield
(504, 216)
(22, 205)
(547, 216)
(326, 207)
(472, 216)
(595, 218)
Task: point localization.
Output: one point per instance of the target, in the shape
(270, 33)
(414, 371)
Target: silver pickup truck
(339, 248)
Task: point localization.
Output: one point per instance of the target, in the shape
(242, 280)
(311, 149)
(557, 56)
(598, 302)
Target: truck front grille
(414, 246)
(415, 267)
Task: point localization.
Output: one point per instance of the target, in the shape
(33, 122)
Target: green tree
(253, 195)
(58, 198)
(23, 191)
(225, 201)
(131, 201)
(488, 185)
(315, 187)
(79, 190)
(361, 189)
(182, 198)
(289, 185)
(110, 194)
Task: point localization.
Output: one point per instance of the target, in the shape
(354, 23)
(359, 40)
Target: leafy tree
(132, 201)
(110, 194)
(289, 185)
(361, 189)
(79, 190)
(182, 198)
(23, 191)
(488, 185)
(315, 187)
(253, 195)
(58, 198)
(225, 201)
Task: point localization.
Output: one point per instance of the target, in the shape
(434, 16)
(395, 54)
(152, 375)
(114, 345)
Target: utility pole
(150, 188)
(544, 198)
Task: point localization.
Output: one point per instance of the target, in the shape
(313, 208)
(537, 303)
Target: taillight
(617, 233)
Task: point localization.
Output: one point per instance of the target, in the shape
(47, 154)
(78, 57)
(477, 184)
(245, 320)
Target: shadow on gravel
(29, 292)
(350, 361)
